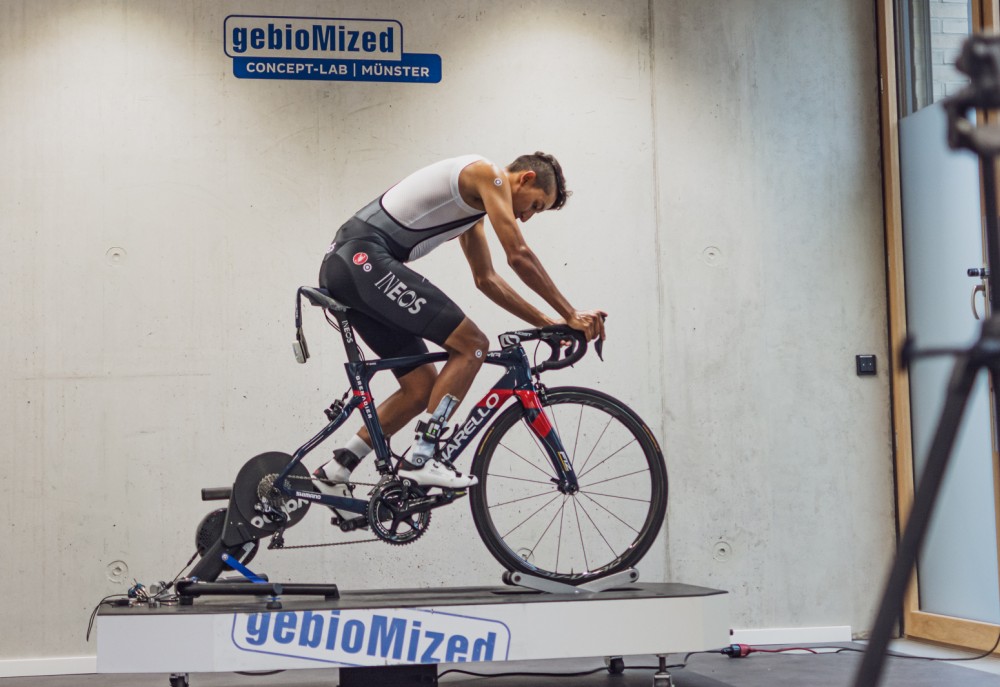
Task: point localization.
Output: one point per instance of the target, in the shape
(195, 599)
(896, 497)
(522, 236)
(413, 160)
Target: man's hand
(590, 322)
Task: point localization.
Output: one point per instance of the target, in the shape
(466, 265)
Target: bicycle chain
(274, 536)
(318, 546)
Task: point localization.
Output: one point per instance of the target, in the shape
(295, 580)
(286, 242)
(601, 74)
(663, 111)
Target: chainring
(255, 486)
(385, 518)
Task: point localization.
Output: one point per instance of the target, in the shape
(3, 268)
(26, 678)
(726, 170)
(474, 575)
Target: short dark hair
(548, 175)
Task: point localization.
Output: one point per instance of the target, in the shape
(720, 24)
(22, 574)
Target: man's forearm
(501, 293)
(529, 269)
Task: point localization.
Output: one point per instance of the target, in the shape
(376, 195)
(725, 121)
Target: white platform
(393, 627)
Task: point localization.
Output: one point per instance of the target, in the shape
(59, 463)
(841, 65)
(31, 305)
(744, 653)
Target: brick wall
(950, 25)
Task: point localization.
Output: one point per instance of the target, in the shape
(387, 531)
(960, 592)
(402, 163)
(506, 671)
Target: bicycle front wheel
(531, 527)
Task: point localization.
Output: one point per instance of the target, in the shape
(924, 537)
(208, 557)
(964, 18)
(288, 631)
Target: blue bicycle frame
(516, 383)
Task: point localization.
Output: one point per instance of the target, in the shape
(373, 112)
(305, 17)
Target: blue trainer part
(242, 569)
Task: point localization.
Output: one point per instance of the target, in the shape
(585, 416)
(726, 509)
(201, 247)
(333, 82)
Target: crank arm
(429, 503)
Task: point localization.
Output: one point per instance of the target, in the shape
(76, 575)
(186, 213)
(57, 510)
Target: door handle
(977, 289)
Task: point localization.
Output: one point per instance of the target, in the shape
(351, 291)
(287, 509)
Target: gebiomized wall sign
(324, 49)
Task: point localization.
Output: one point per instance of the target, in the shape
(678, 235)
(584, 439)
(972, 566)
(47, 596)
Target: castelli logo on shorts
(360, 258)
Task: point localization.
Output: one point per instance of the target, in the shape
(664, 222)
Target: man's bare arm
(497, 202)
(495, 287)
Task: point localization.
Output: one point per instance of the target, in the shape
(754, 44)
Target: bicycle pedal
(358, 523)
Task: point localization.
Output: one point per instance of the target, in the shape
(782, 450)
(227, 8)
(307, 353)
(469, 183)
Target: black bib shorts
(393, 308)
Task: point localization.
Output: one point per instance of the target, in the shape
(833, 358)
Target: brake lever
(599, 343)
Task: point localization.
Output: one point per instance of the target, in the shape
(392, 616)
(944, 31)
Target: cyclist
(394, 309)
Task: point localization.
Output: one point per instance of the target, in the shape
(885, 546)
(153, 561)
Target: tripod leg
(957, 396)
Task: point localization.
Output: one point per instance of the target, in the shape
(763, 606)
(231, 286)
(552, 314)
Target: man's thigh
(394, 305)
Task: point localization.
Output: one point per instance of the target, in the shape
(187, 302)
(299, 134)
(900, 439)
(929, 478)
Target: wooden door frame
(917, 624)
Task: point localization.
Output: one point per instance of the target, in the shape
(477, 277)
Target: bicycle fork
(539, 422)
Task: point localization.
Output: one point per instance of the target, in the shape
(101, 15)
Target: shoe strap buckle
(430, 430)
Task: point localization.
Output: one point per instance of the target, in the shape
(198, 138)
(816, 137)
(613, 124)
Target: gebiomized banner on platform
(368, 637)
(324, 49)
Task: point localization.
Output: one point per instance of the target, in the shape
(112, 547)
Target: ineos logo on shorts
(396, 290)
(360, 258)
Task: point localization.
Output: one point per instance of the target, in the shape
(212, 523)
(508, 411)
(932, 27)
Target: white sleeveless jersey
(425, 209)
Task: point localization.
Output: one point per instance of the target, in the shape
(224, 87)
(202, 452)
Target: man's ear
(527, 177)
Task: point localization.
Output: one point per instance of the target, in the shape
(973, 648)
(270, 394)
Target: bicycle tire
(510, 458)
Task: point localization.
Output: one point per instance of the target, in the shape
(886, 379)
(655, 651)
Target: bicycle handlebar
(554, 336)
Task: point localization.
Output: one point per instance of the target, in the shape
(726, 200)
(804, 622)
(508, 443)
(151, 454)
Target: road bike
(572, 483)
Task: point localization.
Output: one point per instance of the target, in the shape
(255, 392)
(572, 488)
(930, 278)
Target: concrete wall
(772, 269)
(158, 214)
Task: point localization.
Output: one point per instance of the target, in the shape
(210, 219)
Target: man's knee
(468, 340)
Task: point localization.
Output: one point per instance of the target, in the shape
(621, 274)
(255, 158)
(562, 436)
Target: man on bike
(394, 309)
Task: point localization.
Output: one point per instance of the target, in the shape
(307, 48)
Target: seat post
(348, 334)
(322, 298)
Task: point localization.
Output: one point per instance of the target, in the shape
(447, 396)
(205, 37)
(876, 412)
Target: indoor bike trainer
(556, 467)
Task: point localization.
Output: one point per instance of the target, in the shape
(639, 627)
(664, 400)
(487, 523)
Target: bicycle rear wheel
(608, 526)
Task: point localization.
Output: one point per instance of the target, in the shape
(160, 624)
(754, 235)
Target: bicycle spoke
(521, 479)
(542, 535)
(612, 479)
(599, 532)
(594, 447)
(503, 445)
(601, 506)
(608, 458)
(504, 536)
(579, 529)
(614, 496)
(576, 440)
(523, 498)
(559, 541)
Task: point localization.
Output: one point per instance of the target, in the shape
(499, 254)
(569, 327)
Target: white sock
(334, 471)
(358, 447)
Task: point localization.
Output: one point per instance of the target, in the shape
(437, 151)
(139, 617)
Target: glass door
(956, 598)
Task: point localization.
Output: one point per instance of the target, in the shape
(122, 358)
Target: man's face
(529, 200)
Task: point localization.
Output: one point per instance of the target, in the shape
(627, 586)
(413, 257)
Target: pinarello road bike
(572, 483)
